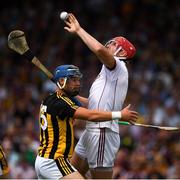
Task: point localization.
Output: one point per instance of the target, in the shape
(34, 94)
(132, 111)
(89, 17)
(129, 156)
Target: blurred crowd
(152, 26)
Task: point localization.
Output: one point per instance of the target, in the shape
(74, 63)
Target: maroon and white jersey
(108, 93)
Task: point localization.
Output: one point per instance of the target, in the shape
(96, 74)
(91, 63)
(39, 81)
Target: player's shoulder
(54, 101)
(66, 99)
(120, 64)
(52, 98)
(58, 100)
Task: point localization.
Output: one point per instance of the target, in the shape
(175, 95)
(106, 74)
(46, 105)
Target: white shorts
(99, 147)
(53, 169)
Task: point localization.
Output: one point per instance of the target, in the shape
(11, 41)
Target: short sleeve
(62, 109)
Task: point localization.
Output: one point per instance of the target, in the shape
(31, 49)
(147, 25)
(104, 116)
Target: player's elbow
(106, 58)
(100, 50)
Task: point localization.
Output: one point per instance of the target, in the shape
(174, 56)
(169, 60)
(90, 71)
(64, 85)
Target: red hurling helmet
(124, 44)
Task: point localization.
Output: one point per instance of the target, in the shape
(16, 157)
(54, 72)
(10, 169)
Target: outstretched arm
(98, 116)
(95, 46)
(83, 100)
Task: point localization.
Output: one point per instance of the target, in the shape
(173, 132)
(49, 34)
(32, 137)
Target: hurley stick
(17, 42)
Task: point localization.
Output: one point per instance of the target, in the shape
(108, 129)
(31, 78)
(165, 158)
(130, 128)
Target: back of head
(66, 71)
(125, 45)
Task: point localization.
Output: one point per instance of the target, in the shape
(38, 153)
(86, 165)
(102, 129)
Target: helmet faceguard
(118, 48)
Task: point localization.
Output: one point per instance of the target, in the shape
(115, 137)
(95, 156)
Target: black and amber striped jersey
(56, 127)
(3, 163)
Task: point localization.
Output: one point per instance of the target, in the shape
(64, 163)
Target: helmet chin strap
(115, 54)
(118, 49)
(61, 87)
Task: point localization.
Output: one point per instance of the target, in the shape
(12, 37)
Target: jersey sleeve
(64, 109)
(76, 101)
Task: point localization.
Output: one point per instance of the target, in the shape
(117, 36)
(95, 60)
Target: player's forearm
(95, 115)
(83, 100)
(97, 48)
(90, 41)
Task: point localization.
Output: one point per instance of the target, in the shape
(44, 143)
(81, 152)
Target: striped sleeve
(63, 109)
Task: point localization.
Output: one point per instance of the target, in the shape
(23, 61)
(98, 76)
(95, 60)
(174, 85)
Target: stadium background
(153, 26)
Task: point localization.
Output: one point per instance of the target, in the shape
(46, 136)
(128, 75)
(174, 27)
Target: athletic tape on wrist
(116, 115)
(28, 55)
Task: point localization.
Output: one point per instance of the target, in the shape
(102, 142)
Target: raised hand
(72, 24)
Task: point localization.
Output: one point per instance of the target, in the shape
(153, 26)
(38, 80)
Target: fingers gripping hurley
(17, 42)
